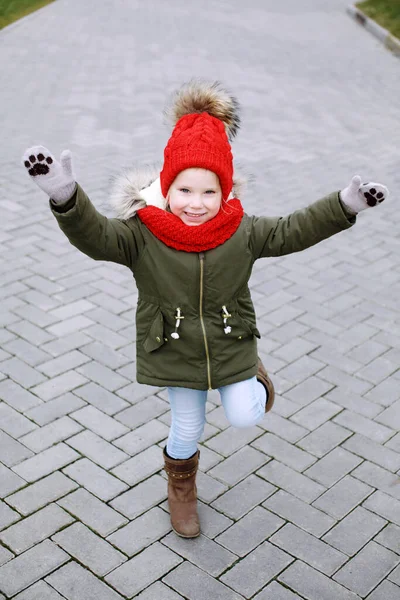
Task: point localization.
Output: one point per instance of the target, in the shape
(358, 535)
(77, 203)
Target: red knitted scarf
(173, 232)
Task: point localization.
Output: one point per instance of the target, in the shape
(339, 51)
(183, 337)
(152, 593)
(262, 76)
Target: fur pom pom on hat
(205, 118)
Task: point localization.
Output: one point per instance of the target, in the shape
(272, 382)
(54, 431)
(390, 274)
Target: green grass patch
(12, 10)
(385, 12)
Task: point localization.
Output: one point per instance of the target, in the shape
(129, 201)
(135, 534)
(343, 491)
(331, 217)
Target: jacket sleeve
(94, 234)
(277, 236)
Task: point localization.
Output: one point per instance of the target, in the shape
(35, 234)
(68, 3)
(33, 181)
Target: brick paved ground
(306, 504)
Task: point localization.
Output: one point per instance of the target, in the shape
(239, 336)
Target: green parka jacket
(200, 285)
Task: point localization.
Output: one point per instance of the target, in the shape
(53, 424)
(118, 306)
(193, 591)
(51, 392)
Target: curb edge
(383, 35)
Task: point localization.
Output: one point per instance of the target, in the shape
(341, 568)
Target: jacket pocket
(250, 328)
(155, 336)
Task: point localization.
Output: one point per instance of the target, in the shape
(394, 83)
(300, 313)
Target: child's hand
(357, 196)
(53, 177)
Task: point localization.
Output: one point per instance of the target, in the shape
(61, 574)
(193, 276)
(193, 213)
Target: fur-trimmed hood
(139, 187)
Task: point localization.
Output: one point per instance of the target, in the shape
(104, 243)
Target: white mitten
(53, 177)
(357, 196)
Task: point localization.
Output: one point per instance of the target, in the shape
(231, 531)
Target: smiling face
(195, 196)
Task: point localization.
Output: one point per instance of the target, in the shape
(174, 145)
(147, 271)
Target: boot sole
(186, 536)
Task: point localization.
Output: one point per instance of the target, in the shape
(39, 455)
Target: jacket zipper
(201, 257)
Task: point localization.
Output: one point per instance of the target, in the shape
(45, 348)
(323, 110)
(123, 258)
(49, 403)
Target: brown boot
(182, 494)
(262, 377)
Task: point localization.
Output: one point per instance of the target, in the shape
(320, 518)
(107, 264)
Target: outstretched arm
(308, 226)
(88, 230)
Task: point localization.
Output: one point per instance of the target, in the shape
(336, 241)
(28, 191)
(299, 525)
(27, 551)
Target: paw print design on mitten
(53, 177)
(38, 165)
(373, 195)
(357, 196)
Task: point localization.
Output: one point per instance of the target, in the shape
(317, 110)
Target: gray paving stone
(141, 466)
(35, 529)
(300, 513)
(103, 375)
(95, 480)
(238, 466)
(142, 438)
(315, 414)
(89, 549)
(354, 402)
(374, 452)
(341, 498)
(385, 393)
(96, 449)
(95, 420)
(5, 555)
(91, 511)
(217, 418)
(379, 478)
(195, 584)
(350, 383)
(57, 431)
(16, 396)
(257, 569)
(212, 521)
(45, 462)
(324, 439)
(203, 552)
(53, 409)
(308, 391)
(354, 531)
(31, 566)
(13, 423)
(394, 443)
(10, 482)
(232, 439)
(293, 482)
(101, 398)
(281, 450)
(208, 458)
(309, 549)
(390, 416)
(385, 506)
(142, 497)
(141, 532)
(275, 591)
(332, 467)
(59, 385)
(61, 364)
(39, 591)
(76, 583)
(390, 537)
(139, 572)
(313, 585)
(158, 590)
(362, 425)
(208, 488)
(70, 325)
(283, 427)
(243, 497)
(11, 451)
(249, 532)
(43, 492)
(363, 573)
(21, 373)
(385, 591)
(7, 516)
(395, 576)
(56, 347)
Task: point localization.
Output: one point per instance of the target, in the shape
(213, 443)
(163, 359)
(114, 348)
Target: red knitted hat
(204, 115)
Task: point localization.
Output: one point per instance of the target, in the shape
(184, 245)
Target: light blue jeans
(243, 402)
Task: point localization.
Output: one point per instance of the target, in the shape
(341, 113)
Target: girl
(191, 249)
